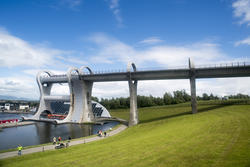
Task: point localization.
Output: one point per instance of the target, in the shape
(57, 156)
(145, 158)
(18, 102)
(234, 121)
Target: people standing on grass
(54, 140)
(100, 133)
(67, 144)
(59, 139)
(69, 138)
(19, 148)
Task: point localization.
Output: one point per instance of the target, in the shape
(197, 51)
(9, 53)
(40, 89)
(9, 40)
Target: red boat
(56, 116)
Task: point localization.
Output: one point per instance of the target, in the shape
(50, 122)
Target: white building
(24, 106)
(7, 106)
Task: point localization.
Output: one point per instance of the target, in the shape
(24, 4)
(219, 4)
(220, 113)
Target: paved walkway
(52, 147)
(15, 124)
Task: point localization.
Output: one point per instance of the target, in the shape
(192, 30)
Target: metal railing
(220, 65)
(111, 71)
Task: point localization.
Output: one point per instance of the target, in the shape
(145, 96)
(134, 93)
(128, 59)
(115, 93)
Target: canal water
(41, 132)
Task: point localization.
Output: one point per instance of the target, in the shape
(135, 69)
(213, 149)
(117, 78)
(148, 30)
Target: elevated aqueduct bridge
(81, 83)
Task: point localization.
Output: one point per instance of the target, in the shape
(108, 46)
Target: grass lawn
(219, 135)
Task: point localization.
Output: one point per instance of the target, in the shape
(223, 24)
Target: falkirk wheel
(76, 107)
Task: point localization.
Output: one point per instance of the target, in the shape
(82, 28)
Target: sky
(105, 35)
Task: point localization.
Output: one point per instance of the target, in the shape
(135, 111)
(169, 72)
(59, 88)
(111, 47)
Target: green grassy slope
(166, 136)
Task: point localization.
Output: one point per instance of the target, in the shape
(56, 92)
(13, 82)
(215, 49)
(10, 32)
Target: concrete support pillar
(192, 87)
(88, 115)
(133, 116)
(80, 110)
(45, 90)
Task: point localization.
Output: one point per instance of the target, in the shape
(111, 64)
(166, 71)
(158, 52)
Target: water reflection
(41, 132)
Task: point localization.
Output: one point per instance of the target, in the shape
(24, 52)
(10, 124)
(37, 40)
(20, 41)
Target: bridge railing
(219, 65)
(110, 71)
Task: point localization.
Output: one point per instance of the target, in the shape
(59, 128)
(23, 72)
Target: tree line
(179, 96)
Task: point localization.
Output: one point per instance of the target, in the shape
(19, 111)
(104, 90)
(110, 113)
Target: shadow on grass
(206, 109)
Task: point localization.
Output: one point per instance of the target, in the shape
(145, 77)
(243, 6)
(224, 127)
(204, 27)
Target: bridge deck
(210, 72)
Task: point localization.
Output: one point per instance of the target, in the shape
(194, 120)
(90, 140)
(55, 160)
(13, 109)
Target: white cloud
(17, 52)
(60, 89)
(151, 40)
(19, 86)
(34, 72)
(64, 4)
(223, 86)
(242, 11)
(74, 60)
(71, 3)
(112, 50)
(114, 7)
(110, 89)
(243, 42)
(219, 87)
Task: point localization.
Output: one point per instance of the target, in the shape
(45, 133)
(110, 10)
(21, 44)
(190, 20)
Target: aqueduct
(81, 84)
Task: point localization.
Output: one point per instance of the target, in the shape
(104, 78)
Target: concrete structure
(81, 84)
(80, 108)
(192, 87)
(133, 115)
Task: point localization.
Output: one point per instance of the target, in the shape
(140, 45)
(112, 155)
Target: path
(15, 124)
(52, 147)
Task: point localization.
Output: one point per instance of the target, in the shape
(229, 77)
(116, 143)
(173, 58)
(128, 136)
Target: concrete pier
(133, 115)
(80, 110)
(192, 87)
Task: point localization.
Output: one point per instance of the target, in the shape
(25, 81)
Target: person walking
(68, 141)
(59, 139)
(19, 148)
(54, 140)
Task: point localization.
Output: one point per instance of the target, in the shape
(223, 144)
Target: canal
(41, 132)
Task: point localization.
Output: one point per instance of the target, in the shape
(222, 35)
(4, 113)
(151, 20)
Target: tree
(168, 99)
(205, 96)
(95, 99)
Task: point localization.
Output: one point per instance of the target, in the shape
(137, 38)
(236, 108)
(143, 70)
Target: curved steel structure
(80, 109)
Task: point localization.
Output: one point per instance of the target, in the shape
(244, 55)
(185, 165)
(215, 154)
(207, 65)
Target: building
(24, 106)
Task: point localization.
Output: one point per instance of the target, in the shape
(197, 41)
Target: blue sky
(107, 34)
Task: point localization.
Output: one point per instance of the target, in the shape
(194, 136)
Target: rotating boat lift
(81, 105)
(81, 84)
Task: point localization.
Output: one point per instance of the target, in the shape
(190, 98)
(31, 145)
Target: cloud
(110, 89)
(112, 50)
(34, 72)
(17, 52)
(73, 60)
(242, 11)
(114, 7)
(19, 86)
(64, 4)
(219, 87)
(223, 86)
(72, 4)
(151, 40)
(60, 89)
(243, 42)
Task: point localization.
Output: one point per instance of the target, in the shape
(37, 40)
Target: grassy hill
(219, 135)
